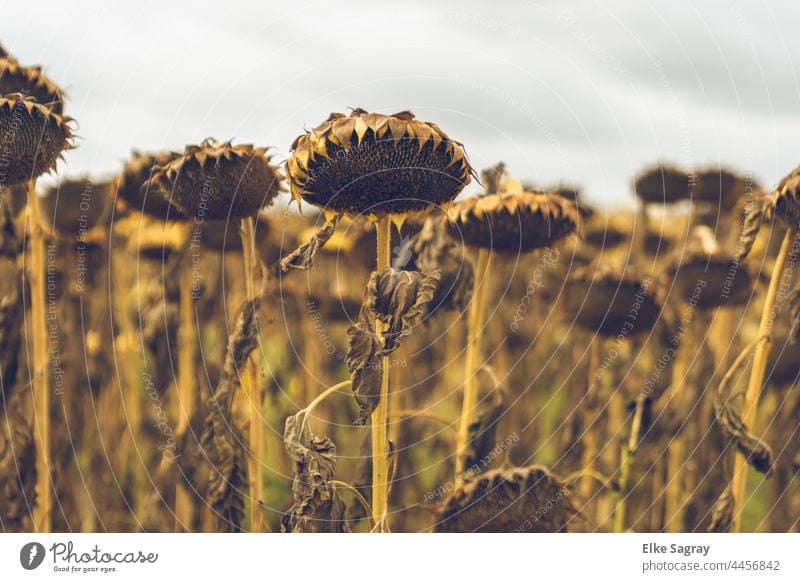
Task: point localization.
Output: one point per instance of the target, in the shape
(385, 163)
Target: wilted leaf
(302, 258)
(399, 299)
(17, 465)
(317, 507)
(433, 249)
(755, 212)
(722, 513)
(755, 450)
(490, 177)
(526, 500)
(222, 441)
(12, 314)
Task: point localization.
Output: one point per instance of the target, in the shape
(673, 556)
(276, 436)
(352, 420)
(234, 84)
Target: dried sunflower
(663, 184)
(369, 163)
(73, 207)
(14, 78)
(721, 187)
(219, 181)
(132, 185)
(512, 223)
(521, 500)
(33, 136)
(710, 280)
(602, 300)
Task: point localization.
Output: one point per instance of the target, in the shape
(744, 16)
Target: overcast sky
(583, 92)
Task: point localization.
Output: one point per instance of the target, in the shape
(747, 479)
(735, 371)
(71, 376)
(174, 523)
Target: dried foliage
(722, 513)
(369, 163)
(527, 499)
(222, 442)
(432, 249)
(399, 299)
(317, 507)
(302, 258)
(757, 452)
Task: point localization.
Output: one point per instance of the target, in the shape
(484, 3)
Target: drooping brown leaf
(317, 507)
(754, 213)
(525, 500)
(722, 513)
(12, 314)
(302, 258)
(222, 442)
(433, 250)
(483, 430)
(756, 451)
(399, 299)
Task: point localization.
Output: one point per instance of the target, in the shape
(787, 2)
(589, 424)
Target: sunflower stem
(187, 392)
(626, 458)
(253, 385)
(380, 439)
(473, 358)
(590, 413)
(40, 377)
(750, 404)
(676, 451)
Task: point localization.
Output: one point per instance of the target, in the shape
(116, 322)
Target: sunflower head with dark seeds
(611, 302)
(34, 138)
(219, 181)
(132, 188)
(513, 222)
(663, 184)
(369, 163)
(30, 81)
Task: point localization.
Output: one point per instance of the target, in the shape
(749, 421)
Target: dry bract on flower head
(219, 180)
(663, 184)
(513, 223)
(369, 163)
(526, 500)
(132, 186)
(33, 138)
(30, 81)
(611, 302)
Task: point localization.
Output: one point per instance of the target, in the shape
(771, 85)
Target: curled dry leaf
(302, 258)
(433, 249)
(222, 442)
(525, 500)
(722, 513)
(17, 466)
(399, 299)
(756, 451)
(317, 507)
(755, 211)
(12, 316)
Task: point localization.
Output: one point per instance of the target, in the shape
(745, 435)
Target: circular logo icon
(31, 555)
